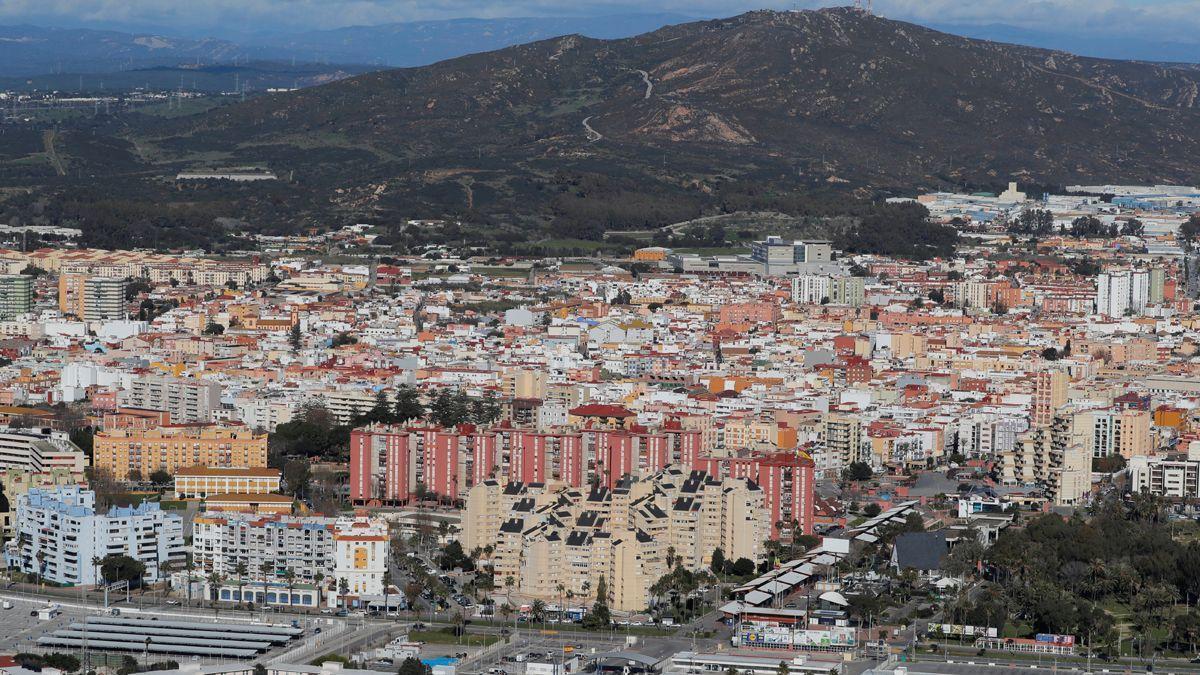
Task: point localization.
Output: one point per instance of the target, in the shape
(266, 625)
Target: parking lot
(20, 627)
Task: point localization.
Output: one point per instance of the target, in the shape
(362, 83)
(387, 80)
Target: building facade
(59, 536)
(141, 452)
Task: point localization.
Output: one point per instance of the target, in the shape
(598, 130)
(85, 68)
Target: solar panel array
(171, 637)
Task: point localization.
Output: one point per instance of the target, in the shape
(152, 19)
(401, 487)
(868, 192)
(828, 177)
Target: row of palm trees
(268, 570)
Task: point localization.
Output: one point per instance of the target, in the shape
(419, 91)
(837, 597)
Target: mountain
(752, 112)
(1105, 46)
(251, 76)
(27, 51)
(420, 43)
(33, 50)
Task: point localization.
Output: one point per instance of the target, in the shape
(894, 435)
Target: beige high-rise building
(843, 441)
(526, 383)
(1054, 456)
(1049, 394)
(92, 298)
(1113, 431)
(548, 542)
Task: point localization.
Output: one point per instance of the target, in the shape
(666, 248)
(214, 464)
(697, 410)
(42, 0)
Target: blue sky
(1170, 20)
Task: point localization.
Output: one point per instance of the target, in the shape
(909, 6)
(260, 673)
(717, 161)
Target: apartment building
(1054, 457)
(387, 462)
(310, 550)
(59, 535)
(188, 400)
(573, 537)
(39, 450)
(842, 442)
(201, 482)
(1122, 292)
(1176, 477)
(1049, 394)
(16, 295)
(140, 452)
(92, 298)
(1115, 431)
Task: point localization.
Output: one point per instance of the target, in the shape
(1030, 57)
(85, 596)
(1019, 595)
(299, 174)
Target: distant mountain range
(573, 136)
(27, 51)
(822, 97)
(30, 51)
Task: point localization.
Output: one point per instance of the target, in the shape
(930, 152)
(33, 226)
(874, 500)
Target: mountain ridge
(575, 134)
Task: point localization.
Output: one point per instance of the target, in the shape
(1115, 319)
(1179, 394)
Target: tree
(742, 567)
(408, 404)
(857, 471)
(718, 561)
(289, 576)
(871, 510)
(1133, 228)
(214, 585)
(453, 556)
(214, 328)
(122, 568)
(161, 477)
(414, 666)
(1050, 354)
(240, 570)
(267, 568)
(297, 473)
(600, 616)
(294, 337)
(1190, 229)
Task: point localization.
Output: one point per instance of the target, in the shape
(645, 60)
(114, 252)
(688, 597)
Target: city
(673, 349)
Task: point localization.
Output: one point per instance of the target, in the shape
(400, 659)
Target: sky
(1169, 20)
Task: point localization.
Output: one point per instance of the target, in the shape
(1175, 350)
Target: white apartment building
(187, 399)
(58, 534)
(361, 549)
(810, 288)
(1165, 477)
(104, 299)
(39, 450)
(351, 549)
(1122, 292)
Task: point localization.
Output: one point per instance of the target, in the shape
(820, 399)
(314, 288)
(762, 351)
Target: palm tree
(289, 575)
(240, 570)
(319, 577)
(40, 556)
(560, 588)
(96, 562)
(537, 612)
(268, 570)
(509, 582)
(343, 589)
(189, 564)
(214, 585)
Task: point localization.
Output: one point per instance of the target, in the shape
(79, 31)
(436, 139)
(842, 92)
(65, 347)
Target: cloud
(1107, 19)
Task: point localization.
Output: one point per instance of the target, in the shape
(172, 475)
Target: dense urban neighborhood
(765, 455)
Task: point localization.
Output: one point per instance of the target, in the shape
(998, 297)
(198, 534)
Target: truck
(49, 612)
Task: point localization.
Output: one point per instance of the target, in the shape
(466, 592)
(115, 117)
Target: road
(592, 134)
(649, 84)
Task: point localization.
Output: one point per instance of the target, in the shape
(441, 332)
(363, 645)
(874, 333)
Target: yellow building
(651, 254)
(265, 504)
(200, 482)
(141, 452)
(552, 542)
